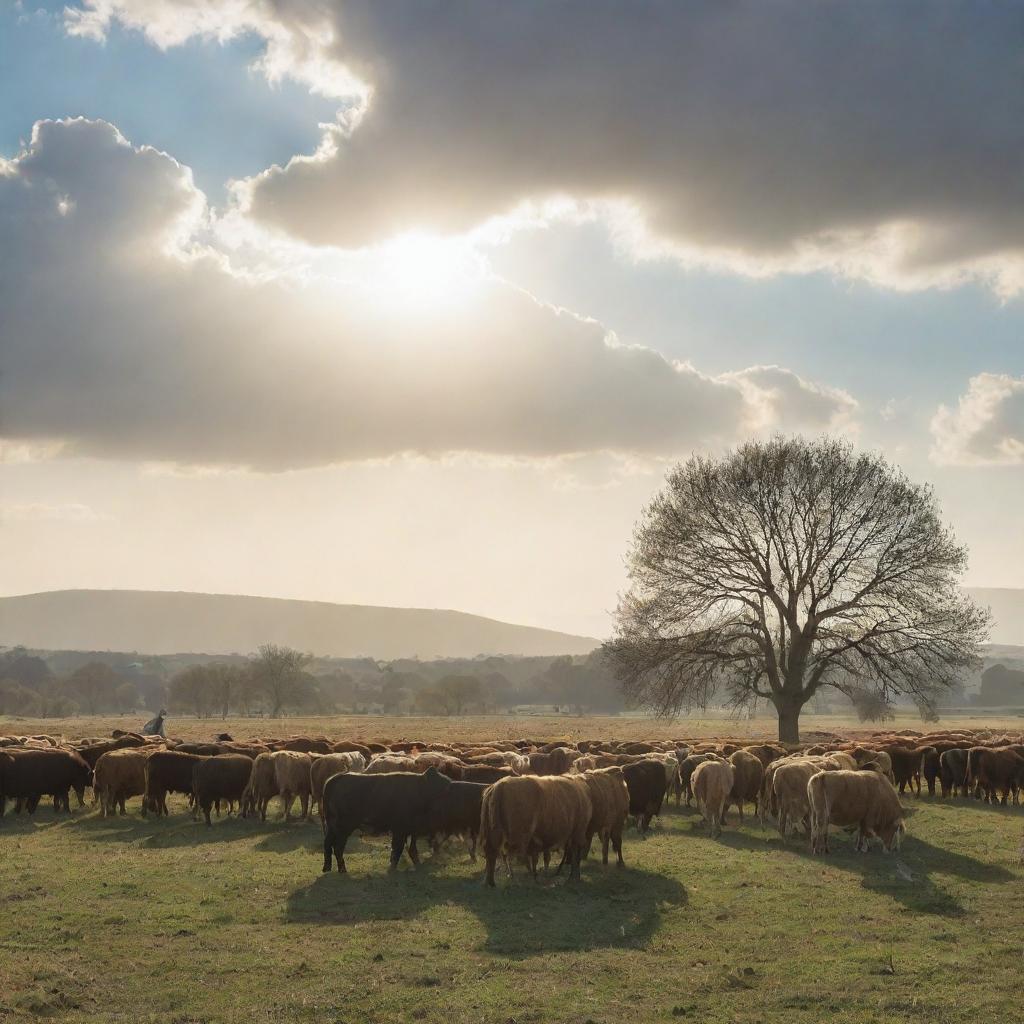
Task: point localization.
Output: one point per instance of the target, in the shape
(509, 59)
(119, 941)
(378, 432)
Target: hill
(158, 622)
(1007, 604)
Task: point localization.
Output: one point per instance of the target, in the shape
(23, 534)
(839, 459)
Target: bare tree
(277, 673)
(789, 566)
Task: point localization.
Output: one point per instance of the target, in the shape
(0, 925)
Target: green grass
(126, 919)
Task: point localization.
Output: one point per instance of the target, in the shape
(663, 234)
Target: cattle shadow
(617, 908)
(176, 830)
(904, 877)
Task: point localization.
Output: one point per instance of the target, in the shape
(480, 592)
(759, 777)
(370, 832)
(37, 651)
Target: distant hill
(1007, 606)
(158, 622)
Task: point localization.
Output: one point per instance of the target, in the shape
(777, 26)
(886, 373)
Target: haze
(413, 305)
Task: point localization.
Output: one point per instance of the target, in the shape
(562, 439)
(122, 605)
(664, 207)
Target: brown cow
(748, 774)
(866, 799)
(526, 816)
(712, 783)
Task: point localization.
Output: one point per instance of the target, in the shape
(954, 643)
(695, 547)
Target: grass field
(167, 920)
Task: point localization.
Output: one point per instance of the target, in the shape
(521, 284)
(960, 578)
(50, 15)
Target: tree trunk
(789, 721)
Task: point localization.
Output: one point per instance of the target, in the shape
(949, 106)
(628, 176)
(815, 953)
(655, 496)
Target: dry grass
(500, 727)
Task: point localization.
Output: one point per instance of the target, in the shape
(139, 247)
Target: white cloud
(131, 331)
(986, 427)
(873, 140)
(72, 512)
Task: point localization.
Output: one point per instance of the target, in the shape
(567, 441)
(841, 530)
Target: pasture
(168, 920)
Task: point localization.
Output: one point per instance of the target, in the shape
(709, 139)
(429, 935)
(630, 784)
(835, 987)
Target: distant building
(539, 709)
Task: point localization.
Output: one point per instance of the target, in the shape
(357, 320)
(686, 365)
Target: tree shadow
(905, 876)
(608, 909)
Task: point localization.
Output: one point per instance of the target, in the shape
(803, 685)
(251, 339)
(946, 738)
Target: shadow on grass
(905, 877)
(608, 909)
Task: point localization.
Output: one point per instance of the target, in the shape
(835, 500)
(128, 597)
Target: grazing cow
(953, 772)
(609, 799)
(32, 773)
(324, 767)
(262, 787)
(399, 803)
(305, 745)
(673, 785)
(906, 767)
(864, 754)
(485, 773)
(347, 746)
(92, 752)
(556, 761)
(712, 783)
(994, 771)
(119, 775)
(865, 799)
(292, 774)
(385, 764)
(527, 816)
(455, 813)
(219, 778)
(766, 753)
(930, 767)
(167, 771)
(748, 774)
(645, 781)
(788, 797)
(446, 764)
(686, 770)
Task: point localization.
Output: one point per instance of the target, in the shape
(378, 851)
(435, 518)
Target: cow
(609, 799)
(556, 761)
(292, 774)
(399, 803)
(327, 765)
(527, 816)
(930, 767)
(712, 783)
(118, 775)
(219, 778)
(455, 813)
(686, 770)
(994, 771)
(30, 774)
(748, 774)
(645, 781)
(865, 798)
(167, 771)
(262, 787)
(953, 771)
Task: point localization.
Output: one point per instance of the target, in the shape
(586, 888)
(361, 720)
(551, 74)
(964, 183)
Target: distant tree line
(279, 680)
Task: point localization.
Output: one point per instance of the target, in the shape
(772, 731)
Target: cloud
(874, 140)
(35, 513)
(132, 329)
(986, 427)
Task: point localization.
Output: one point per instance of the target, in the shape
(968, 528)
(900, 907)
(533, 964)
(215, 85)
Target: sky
(387, 302)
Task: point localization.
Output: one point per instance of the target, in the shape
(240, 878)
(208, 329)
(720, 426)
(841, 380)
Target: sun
(425, 271)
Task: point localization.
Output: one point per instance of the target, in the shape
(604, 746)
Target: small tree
(277, 673)
(458, 692)
(785, 567)
(192, 690)
(93, 686)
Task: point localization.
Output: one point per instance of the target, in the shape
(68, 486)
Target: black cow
(167, 771)
(455, 813)
(219, 778)
(28, 775)
(646, 783)
(399, 803)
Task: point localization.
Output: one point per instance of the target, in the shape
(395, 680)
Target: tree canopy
(788, 566)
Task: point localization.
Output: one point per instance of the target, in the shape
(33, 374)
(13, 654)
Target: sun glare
(417, 270)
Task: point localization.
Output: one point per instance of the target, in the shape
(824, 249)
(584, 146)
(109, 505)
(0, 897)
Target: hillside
(156, 622)
(1007, 606)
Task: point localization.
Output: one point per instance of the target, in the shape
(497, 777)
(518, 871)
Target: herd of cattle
(520, 800)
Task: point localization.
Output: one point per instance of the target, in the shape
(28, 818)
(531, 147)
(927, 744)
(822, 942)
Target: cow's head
(435, 781)
(892, 835)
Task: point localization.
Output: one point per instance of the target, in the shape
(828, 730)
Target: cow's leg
(329, 850)
(305, 806)
(490, 861)
(605, 838)
(397, 845)
(739, 806)
(206, 812)
(617, 846)
(414, 853)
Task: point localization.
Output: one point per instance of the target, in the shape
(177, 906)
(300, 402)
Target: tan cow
(118, 775)
(865, 799)
(609, 800)
(292, 775)
(526, 816)
(712, 783)
(262, 787)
